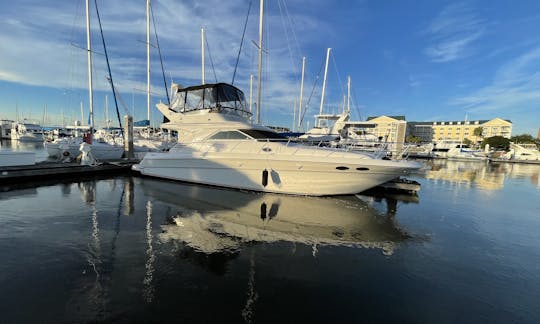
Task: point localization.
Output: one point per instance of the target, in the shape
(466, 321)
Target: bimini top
(219, 97)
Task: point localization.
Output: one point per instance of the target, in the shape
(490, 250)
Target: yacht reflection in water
(211, 220)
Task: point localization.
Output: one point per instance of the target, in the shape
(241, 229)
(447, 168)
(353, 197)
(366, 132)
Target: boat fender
(264, 177)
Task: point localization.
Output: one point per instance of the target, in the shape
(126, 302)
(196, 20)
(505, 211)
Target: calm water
(465, 250)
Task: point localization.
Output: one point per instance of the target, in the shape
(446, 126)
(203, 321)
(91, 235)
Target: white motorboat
(455, 150)
(523, 152)
(465, 153)
(219, 146)
(26, 132)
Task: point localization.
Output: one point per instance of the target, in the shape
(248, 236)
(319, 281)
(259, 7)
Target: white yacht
(456, 150)
(523, 152)
(217, 145)
(328, 129)
(26, 132)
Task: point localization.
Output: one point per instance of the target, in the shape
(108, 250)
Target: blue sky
(428, 60)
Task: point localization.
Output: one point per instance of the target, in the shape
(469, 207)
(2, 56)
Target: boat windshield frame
(216, 97)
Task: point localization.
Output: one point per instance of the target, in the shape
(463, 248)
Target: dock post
(128, 133)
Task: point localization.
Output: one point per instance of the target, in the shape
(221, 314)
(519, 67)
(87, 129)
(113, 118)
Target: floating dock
(48, 170)
(515, 161)
(400, 185)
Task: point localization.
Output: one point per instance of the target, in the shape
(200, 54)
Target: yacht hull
(313, 178)
(104, 151)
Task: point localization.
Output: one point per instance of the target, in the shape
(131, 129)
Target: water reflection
(96, 285)
(487, 176)
(37, 147)
(218, 221)
(149, 265)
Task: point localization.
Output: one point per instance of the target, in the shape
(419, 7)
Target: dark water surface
(137, 250)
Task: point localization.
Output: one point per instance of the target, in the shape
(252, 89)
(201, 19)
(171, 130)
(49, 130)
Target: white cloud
(453, 32)
(513, 91)
(36, 47)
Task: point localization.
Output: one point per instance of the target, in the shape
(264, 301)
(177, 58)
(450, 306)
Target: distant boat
(523, 152)
(456, 150)
(26, 132)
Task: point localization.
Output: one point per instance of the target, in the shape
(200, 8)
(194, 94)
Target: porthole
(342, 168)
(362, 169)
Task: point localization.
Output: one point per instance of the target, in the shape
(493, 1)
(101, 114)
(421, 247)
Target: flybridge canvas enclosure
(220, 96)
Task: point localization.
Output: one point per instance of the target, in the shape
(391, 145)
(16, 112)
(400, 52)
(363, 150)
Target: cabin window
(228, 135)
(263, 134)
(342, 168)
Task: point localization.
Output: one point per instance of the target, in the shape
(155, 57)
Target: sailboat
(100, 150)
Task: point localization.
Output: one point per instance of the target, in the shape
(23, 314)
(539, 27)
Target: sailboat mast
(261, 11)
(89, 56)
(107, 122)
(82, 113)
(301, 93)
(349, 94)
(148, 60)
(202, 55)
(324, 82)
(251, 93)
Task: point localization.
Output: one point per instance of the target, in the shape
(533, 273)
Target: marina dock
(48, 170)
(514, 161)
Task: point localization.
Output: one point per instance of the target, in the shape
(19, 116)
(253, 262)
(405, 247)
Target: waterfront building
(389, 128)
(497, 127)
(459, 130)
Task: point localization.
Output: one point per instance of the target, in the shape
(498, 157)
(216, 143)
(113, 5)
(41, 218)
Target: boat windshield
(263, 135)
(220, 96)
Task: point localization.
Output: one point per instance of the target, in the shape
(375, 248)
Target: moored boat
(219, 146)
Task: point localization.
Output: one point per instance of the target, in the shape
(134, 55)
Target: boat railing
(260, 147)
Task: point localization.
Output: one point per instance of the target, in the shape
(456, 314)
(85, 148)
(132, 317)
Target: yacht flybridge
(218, 145)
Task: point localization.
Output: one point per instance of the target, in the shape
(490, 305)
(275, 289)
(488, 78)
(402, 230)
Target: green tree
(467, 141)
(478, 131)
(523, 138)
(498, 142)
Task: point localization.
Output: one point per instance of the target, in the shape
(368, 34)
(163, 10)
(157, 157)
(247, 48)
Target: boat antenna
(241, 42)
(109, 70)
